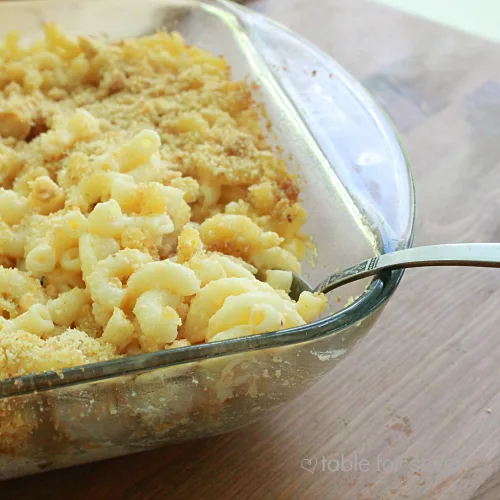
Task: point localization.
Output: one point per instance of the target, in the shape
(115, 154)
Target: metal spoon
(462, 254)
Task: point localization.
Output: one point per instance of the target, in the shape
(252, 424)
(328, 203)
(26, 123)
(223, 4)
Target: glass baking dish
(356, 187)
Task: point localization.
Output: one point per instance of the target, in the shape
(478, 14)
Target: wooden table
(418, 402)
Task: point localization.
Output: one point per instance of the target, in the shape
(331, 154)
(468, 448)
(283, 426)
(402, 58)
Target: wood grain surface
(416, 407)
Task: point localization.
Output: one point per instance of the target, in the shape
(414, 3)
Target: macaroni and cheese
(141, 207)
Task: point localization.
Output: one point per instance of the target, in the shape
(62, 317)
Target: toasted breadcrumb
(141, 148)
(23, 353)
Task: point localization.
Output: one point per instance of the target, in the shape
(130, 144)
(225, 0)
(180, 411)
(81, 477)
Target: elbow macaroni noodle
(141, 207)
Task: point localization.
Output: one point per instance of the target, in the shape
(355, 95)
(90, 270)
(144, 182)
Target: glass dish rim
(373, 298)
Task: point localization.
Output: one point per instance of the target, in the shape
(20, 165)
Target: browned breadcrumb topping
(72, 120)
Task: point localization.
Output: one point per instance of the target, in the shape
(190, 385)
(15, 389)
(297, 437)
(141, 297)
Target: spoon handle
(462, 254)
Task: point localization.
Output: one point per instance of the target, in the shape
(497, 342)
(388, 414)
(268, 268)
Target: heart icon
(309, 464)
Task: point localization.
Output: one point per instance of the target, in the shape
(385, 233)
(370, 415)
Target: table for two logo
(357, 464)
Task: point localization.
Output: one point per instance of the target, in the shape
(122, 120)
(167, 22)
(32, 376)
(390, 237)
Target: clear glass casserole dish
(357, 189)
